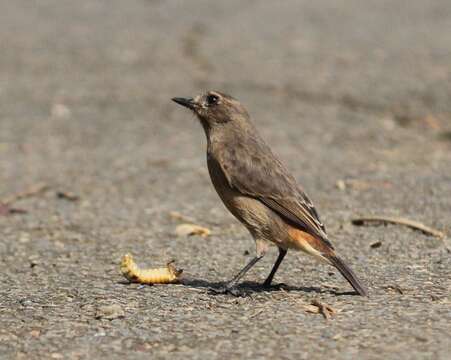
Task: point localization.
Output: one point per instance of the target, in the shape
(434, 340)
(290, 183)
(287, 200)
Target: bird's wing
(262, 176)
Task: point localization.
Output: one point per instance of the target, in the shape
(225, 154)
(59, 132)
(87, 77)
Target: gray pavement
(353, 92)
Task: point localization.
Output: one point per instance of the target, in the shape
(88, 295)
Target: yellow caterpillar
(133, 273)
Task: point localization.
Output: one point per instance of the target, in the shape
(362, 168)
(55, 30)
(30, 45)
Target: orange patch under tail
(311, 245)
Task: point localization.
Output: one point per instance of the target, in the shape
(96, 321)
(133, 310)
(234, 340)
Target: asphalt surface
(354, 96)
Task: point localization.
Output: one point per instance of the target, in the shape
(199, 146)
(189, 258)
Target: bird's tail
(349, 275)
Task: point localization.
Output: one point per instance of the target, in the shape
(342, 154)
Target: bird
(258, 189)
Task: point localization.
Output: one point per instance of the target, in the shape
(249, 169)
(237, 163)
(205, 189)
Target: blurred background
(354, 96)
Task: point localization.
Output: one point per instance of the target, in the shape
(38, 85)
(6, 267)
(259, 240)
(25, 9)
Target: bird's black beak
(186, 102)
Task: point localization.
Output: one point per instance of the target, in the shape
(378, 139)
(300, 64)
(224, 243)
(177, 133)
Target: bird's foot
(229, 290)
(276, 287)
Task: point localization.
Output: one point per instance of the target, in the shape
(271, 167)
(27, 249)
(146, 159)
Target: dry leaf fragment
(191, 229)
(317, 307)
(311, 309)
(133, 273)
(431, 121)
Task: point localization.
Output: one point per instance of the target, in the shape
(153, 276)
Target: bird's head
(214, 109)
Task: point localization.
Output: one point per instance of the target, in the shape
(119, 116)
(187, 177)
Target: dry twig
(31, 191)
(8, 210)
(175, 215)
(67, 196)
(399, 221)
(255, 314)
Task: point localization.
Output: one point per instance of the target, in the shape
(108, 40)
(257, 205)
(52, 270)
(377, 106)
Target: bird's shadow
(254, 287)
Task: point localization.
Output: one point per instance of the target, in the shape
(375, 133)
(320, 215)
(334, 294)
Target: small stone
(35, 333)
(376, 245)
(60, 111)
(341, 185)
(389, 123)
(24, 238)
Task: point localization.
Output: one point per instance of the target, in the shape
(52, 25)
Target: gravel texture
(354, 96)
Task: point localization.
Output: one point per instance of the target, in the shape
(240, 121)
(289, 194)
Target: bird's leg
(282, 253)
(238, 276)
(229, 288)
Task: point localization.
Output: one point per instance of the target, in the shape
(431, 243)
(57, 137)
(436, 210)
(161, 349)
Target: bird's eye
(212, 99)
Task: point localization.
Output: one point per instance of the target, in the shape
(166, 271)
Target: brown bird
(258, 190)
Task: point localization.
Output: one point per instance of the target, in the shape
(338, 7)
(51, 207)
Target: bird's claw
(234, 291)
(280, 286)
